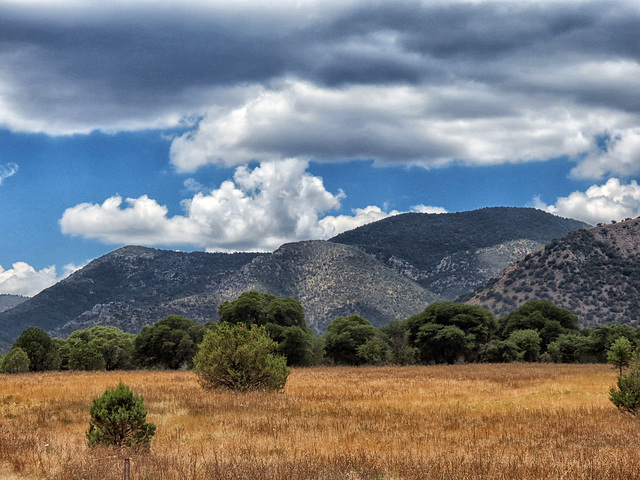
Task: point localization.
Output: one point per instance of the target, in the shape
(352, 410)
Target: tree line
(445, 332)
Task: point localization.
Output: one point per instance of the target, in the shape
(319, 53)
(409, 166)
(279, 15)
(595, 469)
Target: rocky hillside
(382, 271)
(9, 301)
(130, 285)
(453, 253)
(331, 280)
(594, 273)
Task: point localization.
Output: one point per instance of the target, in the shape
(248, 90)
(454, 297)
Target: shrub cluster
(445, 332)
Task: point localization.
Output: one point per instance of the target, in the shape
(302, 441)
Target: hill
(131, 281)
(9, 301)
(331, 280)
(594, 273)
(451, 254)
(136, 286)
(382, 271)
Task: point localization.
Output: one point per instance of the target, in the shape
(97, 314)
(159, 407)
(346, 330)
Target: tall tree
(620, 353)
(345, 335)
(283, 319)
(170, 343)
(448, 331)
(549, 320)
(40, 348)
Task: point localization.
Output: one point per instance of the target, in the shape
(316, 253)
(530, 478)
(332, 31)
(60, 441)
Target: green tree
(114, 346)
(620, 353)
(446, 331)
(396, 335)
(601, 338)
(549, 320)
(40, 348)
(527, 343)
(498, 351)
(296, 344)
(284, 321)
(567, 348)
(170, 343)
(261, 308)
(86, 356)
(16, 361)
(375, 351)
(118, 418)
(241, 358)
(345, 335)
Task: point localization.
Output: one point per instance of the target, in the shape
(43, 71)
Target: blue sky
(237, 125)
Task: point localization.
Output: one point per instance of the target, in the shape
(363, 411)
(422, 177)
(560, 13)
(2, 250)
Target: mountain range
(594, 273)
(382, 271)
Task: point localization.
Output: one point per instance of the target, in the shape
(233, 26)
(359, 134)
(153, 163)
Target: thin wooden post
(126, 468)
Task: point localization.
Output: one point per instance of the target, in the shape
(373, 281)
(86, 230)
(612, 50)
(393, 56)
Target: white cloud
(23, 279)
(424, 125)
(427, 209)
(334, 225)
(7, 170)
(599, 204)
(260, 209)
(619, 155)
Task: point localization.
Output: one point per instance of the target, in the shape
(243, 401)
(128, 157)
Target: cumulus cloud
(23, 279)
(427, 209)
(600, 203)
(7, 170)
(424, 83)
(386, 123)
(618, 154)
(334, 225)
(260, 209)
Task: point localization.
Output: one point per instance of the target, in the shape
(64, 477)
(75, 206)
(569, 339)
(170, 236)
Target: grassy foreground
(515, 421)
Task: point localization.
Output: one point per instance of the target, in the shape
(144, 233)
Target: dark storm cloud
(474, 69)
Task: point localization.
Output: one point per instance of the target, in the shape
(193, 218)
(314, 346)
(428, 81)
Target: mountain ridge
(595, 273)
(135, 286)
(451, 254)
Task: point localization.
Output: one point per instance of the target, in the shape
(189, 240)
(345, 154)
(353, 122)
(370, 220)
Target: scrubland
(478, 421)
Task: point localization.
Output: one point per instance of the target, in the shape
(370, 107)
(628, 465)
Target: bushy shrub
(240, 357)
(626, 397)
(118, 418)
(16, 361)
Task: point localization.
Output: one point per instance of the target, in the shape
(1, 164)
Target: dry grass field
(517, 421)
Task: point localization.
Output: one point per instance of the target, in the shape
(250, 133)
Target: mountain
(451, 254)
(594, 273)
(129, 286)
(9, 301)
(136, 286)
(331, 280)
(383, 271)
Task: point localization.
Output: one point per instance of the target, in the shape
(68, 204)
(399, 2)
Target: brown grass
(515, 421)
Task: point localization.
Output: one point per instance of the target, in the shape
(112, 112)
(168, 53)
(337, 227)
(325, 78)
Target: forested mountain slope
(331, 280)
(10, 301)
(594, 273)
(131, 281)
(383, 271)
(453, 253)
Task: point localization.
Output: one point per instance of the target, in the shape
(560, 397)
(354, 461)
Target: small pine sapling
(118, 418)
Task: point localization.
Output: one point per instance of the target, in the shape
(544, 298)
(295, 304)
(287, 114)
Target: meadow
(477, 421)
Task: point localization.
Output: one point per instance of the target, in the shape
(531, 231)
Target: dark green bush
(118, 418)
(240, 357)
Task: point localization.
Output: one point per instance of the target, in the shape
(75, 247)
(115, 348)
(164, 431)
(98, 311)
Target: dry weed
(517, 421)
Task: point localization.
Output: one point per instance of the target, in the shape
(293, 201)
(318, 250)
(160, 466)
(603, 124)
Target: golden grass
(516, 421)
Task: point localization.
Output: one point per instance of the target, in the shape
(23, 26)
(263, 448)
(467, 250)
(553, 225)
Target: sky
(242, 125)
